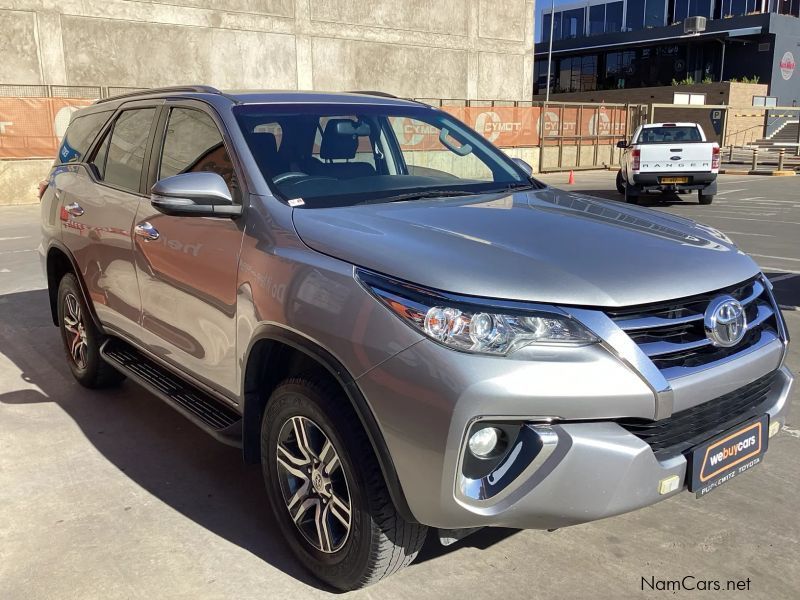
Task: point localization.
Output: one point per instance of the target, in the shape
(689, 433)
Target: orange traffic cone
(571, 180)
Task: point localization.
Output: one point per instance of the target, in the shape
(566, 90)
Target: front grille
(672, 334)
(687, 428)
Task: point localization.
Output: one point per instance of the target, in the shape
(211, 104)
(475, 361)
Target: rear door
(97, 213)
(188, 273)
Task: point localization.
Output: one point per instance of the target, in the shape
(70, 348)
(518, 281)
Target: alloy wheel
(76, 331)
(313, 484)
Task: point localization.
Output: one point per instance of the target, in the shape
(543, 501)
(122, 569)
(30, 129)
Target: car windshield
(669, 134)
(320, 155)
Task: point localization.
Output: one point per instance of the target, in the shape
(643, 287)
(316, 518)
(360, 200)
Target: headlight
(478, 326)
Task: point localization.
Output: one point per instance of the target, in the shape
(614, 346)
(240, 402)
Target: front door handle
(146, 230)
(74, 209)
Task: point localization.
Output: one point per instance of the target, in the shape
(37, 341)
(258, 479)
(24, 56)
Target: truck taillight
(715, 157)
(42, 188)
(636, 157)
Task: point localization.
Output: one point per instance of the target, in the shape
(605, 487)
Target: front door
(187, 266)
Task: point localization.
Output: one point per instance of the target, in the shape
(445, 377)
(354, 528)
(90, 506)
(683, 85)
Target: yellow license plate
(674, 180)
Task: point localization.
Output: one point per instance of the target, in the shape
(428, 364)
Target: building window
(573, 24)
(597, 19)
(635, 17)
(655, 13)
(694, 8)
(576, 74)
(614, 17)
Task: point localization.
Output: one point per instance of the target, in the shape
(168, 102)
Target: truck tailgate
(676, 158)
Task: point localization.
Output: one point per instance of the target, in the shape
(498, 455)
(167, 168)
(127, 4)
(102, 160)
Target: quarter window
(80, 134)
(120, 158)
(193, 143)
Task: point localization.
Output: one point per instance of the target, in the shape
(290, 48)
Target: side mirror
(200, 194)
(523, 165)
(622, 144)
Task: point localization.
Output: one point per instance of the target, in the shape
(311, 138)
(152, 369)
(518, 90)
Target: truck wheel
(81, 338)
(327, 490)
(704, 199)
(631, 197)
(620, 182)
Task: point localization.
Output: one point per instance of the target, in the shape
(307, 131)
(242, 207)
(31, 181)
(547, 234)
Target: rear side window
(120, 158)
(81, 132)
(193, 143)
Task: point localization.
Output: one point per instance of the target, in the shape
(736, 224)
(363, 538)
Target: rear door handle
(74, 209)
(147, 231)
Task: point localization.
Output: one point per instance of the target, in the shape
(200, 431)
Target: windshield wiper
(420, 195)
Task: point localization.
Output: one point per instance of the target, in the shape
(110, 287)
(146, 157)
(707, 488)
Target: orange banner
(33, 127)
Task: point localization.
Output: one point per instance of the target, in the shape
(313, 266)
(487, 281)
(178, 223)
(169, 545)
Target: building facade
(621, 44)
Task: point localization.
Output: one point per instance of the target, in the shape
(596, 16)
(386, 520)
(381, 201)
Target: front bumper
(426, 398)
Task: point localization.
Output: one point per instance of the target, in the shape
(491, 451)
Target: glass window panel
(597, 19)
(614, 17)
(635, 18)
(125, 158)
(681, 10)
(557, 26)
(655, 13)
(546, 27)
(572, 25)
(700, 8)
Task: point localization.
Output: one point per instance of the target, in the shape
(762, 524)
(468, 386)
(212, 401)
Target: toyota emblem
(725, 321)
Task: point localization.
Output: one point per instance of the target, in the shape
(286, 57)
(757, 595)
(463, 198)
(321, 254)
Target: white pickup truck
(670, 158)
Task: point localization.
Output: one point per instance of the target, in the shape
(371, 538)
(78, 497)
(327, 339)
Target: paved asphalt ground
(115, 496)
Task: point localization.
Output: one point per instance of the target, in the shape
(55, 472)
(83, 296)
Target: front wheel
(704, 198)
(327, 490)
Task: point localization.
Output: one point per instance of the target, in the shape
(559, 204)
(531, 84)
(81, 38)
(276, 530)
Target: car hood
(541, 246)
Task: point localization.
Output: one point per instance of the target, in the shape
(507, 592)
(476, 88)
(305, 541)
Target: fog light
(774, 428)
(668, 485)
(484, 441)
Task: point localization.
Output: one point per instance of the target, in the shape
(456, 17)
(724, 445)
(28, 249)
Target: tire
(378, 541)
(81, 338)
(704, 199)
(631, 198)
(620, 182)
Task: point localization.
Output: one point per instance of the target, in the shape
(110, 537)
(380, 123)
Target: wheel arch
(59, 262)
(287, 353)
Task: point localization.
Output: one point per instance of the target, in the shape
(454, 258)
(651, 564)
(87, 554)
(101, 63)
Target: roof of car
(671, 124)
(267, 96)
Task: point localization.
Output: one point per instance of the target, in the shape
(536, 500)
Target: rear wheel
(704, 198)
(82, 340)
(327, 490)
(620, 182)
(631, 197)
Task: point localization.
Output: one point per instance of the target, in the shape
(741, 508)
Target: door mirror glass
(622, 144)
(200, 194)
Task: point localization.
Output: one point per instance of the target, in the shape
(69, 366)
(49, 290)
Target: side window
(80, 134)
(193, 143)
(120, 158)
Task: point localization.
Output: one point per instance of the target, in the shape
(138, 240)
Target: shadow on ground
(156, 447)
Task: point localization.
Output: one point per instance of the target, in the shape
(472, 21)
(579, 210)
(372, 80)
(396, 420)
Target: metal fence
(62, 91)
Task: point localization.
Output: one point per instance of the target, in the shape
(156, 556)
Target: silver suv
(398, 323)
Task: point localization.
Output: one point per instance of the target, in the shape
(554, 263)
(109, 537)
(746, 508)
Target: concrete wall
(422, 48)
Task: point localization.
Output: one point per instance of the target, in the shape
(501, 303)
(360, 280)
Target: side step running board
(201, 408)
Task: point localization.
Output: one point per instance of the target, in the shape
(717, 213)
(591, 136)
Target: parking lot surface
(114, 495)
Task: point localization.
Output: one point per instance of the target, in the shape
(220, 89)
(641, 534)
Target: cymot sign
(787, 65)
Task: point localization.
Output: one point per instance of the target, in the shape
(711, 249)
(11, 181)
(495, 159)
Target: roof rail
(203, 89)
(371, 93)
